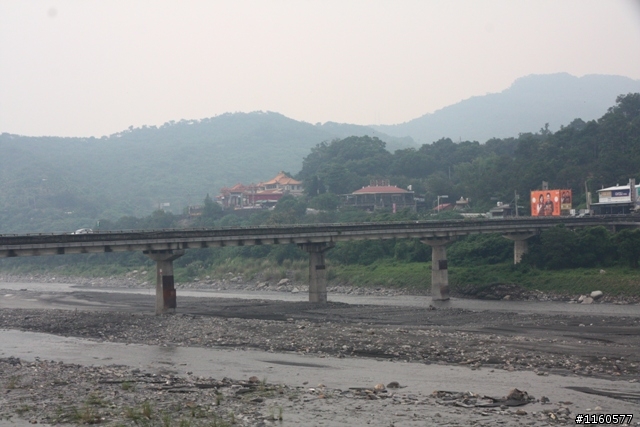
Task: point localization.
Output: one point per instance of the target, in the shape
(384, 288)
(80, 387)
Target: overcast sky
(92, 68)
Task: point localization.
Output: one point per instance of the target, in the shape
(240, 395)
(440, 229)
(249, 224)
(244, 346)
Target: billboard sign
(565, 200)
(620, 193)
(550, 202)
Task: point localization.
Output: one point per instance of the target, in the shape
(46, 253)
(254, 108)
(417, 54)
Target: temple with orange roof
(263, 194)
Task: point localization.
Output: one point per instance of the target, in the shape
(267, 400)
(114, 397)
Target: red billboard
(550, 202)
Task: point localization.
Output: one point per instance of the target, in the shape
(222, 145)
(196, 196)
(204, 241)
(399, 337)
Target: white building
(619, 199)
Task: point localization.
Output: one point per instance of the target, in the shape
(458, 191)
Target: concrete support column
(520, 245)
(439, 268)
(165, 286)
(317, 270)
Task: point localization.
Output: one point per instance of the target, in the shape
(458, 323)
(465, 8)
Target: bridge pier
(439, 267)
(317, 270)
(165, 286)
(520, 244)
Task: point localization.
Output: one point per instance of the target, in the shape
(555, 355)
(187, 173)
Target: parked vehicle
(83, 231)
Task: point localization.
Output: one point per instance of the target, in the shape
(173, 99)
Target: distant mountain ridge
(526, 106)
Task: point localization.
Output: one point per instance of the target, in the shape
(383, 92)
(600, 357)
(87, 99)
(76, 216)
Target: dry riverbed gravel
(55, 392)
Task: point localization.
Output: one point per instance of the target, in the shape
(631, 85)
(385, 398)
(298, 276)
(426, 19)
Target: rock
(587, 300)
(521, 412)
(254, 379)
(596, 294)
(581, 298)
(507, 297)
(518, 395)
(283, 282)
(602, 271)
(393, 384)
(379, 387)
(295, 290)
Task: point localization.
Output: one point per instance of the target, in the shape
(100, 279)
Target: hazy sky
(96, 67)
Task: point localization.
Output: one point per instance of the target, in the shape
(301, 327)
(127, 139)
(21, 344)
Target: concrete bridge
(164, 246)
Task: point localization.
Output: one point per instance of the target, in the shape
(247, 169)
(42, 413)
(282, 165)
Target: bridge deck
(155, 240)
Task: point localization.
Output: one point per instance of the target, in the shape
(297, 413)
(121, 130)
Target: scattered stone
(516, 395)
(596, 295)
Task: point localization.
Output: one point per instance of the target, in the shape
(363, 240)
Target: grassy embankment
(386, 273)
(613, 281)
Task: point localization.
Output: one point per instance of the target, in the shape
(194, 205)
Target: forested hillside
(61, 184)
(599, 153)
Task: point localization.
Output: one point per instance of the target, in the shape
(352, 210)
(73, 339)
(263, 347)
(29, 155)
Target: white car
(83, 231)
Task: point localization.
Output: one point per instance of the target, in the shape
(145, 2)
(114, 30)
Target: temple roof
(281, 179)
(381, 189)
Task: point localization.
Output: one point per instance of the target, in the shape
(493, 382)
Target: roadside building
(501, 210)
(617, 200)
(462, 204)
(380, 196)
(195, 210)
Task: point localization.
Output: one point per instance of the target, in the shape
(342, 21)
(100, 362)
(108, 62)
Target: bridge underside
(164, 246)
(166, 252)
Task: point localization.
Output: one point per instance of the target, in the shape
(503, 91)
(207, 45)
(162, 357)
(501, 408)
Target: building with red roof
(260, 195)
(380, 195)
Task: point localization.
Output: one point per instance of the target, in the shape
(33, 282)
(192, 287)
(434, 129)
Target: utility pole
(515, 192)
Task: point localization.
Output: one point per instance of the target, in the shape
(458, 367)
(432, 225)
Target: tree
(557, 249)
(313, 186)
(325, 202)
(211, 210)
(288, 210)
(629, 246)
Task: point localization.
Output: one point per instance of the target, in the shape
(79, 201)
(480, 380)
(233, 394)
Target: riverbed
(313, 365)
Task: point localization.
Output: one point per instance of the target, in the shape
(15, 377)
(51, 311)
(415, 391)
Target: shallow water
(296, 369)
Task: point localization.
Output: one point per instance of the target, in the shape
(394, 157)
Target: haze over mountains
(526, 106)
(132, 172)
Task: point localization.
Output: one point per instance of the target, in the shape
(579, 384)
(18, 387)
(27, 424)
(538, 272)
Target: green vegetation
(128, 386)
(615, 280)
(13, 382)
(275, 413)
(598, 153)
(24, 409)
